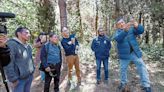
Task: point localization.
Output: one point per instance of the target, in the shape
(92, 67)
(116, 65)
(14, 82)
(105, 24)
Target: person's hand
(126, 27)
(134, 23)
(73, 40)
(3, 40)
(48, 69)
(15, 83)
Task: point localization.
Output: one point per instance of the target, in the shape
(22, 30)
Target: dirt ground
(88, 84)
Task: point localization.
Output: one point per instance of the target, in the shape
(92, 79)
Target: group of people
(21, 68)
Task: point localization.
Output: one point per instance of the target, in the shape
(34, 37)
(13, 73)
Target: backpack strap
(47, 50)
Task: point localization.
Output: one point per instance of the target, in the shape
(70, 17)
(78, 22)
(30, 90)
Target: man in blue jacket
(128, 50)
(101, 46)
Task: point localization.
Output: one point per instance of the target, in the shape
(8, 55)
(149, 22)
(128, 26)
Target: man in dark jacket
(4, 54)
(52, 60)
(21, 68)
(101, 46)
(128, 50)
(70, 45)
(4, 50)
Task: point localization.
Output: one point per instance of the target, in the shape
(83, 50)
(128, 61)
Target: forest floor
(88, 73)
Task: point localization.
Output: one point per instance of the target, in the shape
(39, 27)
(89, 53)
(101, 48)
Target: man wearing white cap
(128, 50)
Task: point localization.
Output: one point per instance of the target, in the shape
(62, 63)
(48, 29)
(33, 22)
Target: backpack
(41, 67)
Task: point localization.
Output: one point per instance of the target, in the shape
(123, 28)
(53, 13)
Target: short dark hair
(19, 29)
(42, 33)
(51, 34)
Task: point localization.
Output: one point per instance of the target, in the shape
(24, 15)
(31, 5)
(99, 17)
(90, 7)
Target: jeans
(42, 74)
(141, 69)
(23, 85)
(56, 77)
(105, 64)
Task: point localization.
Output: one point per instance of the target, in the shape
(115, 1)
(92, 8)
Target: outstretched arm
(120, 35)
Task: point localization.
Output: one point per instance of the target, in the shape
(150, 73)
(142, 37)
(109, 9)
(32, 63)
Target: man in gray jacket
(21, 68)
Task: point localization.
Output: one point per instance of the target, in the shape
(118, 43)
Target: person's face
(42, 36)
(120, 24)
(65, 32)
(3, 39)
(54, 39)
(101, 32)
(25, 34)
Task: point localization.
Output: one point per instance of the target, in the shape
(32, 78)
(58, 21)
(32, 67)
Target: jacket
(21, 65)
(127, 43)
(101, 46)
(50, 54)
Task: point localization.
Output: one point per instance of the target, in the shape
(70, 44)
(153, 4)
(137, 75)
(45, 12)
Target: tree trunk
(96, 19)
(107, 25)
(117, 11)
(63, 13)
(80, 20)
(46, 15)
(140, 17)
(63, 22)
(147, 37)
(163, 37)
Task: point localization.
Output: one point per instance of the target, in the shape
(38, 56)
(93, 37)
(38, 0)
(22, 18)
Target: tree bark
(117, 11)
(63, 13)
(96, 19)
(147, 37)
(80, 19)
(140, 17)
(163, 38)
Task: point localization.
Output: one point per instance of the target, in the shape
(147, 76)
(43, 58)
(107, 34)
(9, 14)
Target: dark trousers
(48, 78)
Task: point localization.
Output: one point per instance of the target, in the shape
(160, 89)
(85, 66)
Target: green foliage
(25, 14)
(154, 52)
(157, 9)
(46, 16)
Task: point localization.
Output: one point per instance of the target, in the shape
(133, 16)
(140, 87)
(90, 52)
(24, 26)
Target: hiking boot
(146, 89)
(98, 82)
(56, 90)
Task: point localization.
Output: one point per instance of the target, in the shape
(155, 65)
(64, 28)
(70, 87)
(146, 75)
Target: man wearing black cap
(128, 50)
(101, 46)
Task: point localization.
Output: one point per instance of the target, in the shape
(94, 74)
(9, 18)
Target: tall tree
(117, 11)
(63, 13)
(80, 19)
(96, 19)
(46, 15)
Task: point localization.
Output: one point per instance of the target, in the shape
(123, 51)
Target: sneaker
(98, 82)
(106, 81)
(146, 89)
(56, 90)
(69, 82)
(121, 87)
(79, 82)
